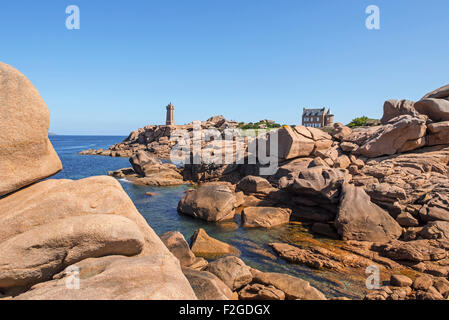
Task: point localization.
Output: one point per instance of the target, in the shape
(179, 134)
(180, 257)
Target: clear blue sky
(245, 59)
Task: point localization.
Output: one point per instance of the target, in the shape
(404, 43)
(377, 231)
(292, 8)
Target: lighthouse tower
(170, 115)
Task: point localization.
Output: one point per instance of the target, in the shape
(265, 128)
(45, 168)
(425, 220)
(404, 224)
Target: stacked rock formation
(382, 189)
(156, 139)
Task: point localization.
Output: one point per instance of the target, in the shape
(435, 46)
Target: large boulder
(316, 182)
(232, 271)
(301, 141)
(165, 176)
(396, 108)
(437, 208)
(438, 133)
(265, 217)
(400, 280)
(294, 143)
(203, 245)
(440, 93)
(360, 219)
(436, 230)
(415, 251)
(63, 221)
(401, 134)
(315, 192)
(435, 109)
(26, 153)
(151, 171)
(207, 286)
(36, 255)
(387, 196)
(149, 277)
(290, 168)
(254, 184)
(210, 202)
(341, 132)
(142, 162)
(177, 245)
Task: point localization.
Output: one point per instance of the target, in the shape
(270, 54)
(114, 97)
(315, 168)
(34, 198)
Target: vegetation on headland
(262, 124)
(363, 121)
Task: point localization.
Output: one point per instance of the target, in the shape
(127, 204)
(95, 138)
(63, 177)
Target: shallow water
(160, 212)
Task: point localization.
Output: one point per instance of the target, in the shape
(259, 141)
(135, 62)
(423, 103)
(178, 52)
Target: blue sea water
(161, 214)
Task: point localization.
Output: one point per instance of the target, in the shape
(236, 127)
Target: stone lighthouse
(170, 115)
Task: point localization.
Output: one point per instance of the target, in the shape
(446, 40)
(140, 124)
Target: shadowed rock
(360, 219)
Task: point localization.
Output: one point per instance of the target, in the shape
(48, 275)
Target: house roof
(316, 112)
(313, 112)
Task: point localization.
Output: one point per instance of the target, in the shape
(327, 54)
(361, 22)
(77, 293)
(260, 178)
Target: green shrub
(358, 122)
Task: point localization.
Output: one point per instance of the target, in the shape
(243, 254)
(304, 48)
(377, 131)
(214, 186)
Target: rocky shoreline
(379, 194)
(382, 191)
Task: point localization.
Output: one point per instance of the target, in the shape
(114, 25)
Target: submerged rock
(265, 217)
(203, 245)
